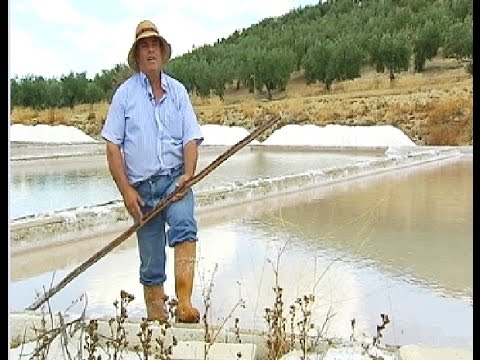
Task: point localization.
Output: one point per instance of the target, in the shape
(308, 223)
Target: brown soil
(434, 107)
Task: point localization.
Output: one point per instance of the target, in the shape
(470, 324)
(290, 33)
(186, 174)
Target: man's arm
(190, 156)
(116, 166)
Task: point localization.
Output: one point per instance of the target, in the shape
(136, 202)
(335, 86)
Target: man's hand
(180, 183)
(133, 201)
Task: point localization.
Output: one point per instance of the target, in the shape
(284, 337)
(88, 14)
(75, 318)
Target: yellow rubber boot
(155, 302)
(185, 255)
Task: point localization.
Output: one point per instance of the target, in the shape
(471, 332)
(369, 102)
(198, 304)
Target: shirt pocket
(137, 121)
(172, 120)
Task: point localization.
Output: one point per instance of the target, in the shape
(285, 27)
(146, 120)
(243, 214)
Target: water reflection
(399, 243)
(60, 191)
(418, 222)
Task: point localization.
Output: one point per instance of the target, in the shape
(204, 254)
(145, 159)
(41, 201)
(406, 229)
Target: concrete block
(195, 350)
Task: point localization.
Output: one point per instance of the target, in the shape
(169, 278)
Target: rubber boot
(155, 302)
(185, 254)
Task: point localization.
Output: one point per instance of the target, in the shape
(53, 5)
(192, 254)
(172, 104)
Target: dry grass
(451, 121)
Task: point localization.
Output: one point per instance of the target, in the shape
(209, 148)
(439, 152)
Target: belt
(166, 172)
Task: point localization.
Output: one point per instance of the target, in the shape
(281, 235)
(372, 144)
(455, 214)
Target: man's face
(149, 54)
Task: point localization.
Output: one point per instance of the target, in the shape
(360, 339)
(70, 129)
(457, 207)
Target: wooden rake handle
(159, 207)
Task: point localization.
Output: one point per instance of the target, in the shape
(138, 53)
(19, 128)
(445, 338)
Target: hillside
(434, 107)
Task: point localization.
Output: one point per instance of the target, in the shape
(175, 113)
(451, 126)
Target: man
(152, 136)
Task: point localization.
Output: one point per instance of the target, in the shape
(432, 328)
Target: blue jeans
(152, 237)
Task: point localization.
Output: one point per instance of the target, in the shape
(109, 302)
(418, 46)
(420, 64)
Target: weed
(211, 334)
(370, 348)
(118, 342)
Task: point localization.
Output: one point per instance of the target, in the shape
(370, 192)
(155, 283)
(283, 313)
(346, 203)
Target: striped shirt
(151, 133)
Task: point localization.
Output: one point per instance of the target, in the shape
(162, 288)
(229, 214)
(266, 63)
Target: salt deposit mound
(339, 135)
(223, 135)
(48, 134)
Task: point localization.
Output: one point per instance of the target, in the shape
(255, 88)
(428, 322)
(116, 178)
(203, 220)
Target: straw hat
(147, 29)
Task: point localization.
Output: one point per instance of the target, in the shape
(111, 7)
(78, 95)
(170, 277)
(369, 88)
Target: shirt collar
(146, 84)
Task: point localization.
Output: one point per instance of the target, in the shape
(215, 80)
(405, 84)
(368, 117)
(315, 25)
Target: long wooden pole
(159, 207)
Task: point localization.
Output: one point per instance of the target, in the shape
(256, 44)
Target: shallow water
(42, 186)
(399, 243)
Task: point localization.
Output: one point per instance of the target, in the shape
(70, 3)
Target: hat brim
(166, 50)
